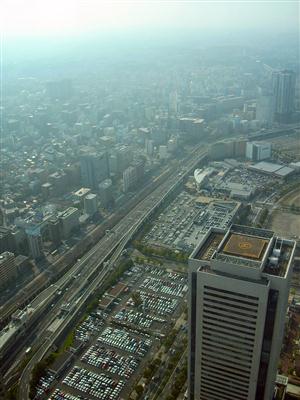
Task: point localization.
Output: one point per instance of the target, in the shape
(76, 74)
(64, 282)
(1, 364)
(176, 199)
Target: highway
(91, 271)
(43, 279)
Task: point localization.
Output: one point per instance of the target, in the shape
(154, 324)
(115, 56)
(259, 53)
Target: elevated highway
(91, 270)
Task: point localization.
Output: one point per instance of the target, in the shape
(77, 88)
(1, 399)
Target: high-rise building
(35, 243)
(284, 91)
(54, 230)
(265, 109)
(173, 102)
(239, 284)
(129, 179)
(105, 193)
(90, 204)
(8, 269)
(69, 219)
(94, 169)
(6, 239)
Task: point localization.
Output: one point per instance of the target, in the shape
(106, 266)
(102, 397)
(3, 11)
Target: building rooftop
(82, 192)
(69, 211)
(247, 247)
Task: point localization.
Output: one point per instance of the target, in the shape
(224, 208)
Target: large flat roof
(245, 246)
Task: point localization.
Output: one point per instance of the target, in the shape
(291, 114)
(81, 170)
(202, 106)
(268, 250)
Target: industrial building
(276, 170)
(239, 282)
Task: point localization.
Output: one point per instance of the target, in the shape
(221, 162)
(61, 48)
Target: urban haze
(149, 200)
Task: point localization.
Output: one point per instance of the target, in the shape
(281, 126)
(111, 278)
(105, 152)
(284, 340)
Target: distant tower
(239, 283)
(265, 108)
(284, 91)
(173, 103)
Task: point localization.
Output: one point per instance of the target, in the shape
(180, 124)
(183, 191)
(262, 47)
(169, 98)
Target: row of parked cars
(98, 385)
(111, 361)
(44, 385)
(140, 319)
(60, 395)
(123, 340)
(160, 305)
(171, 288)
(92, 325)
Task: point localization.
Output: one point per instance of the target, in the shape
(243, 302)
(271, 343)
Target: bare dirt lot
(292, 199)
(287, 223)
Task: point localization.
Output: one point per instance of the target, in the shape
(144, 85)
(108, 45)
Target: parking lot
(110, 361)
(189, 216)
(98, 385)
(60, 395)
(131, 317)
(123, 340)
(118, 339)
(44, 384)
(161, 305)
(91, 326)
(165, 287)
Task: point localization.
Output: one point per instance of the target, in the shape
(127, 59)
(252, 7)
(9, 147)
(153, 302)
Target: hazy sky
(69, 17)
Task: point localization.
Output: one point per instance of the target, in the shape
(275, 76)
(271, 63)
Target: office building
(173, 103)
(6, 239)
(35, 243)
(69, 221)
(90, 204)
(149, 147)
(239, 283)
(47, 190)
(105, 193)
(256, 151)
(129, 179)
(133, 175)
(80, 195)
(284, 91)
(163, 152)
(265, 109)
(54, 231)
(8, 269)
(228, 149)
(94, 169)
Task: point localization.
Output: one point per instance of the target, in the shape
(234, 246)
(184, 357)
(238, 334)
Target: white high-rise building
(239, 284)
(265, 109)
(284, 83)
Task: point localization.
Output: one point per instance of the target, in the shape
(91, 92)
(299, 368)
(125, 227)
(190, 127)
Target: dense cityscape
(150, 222)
